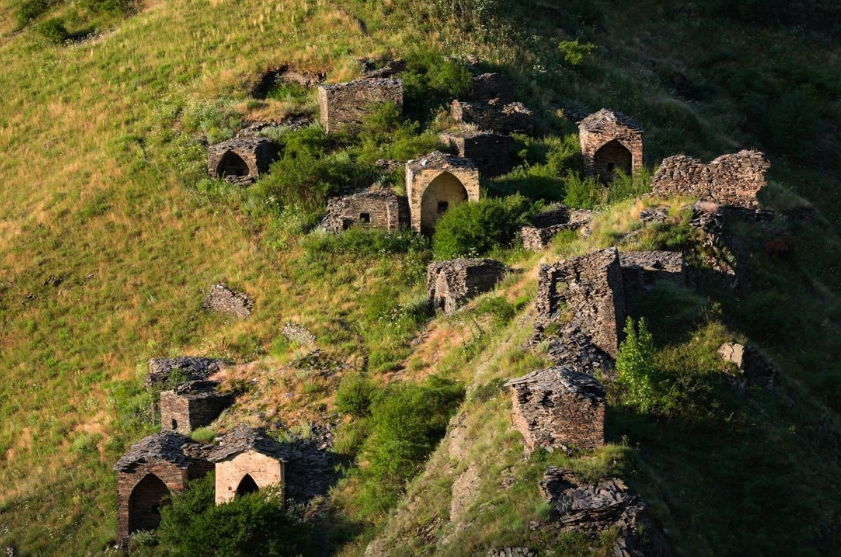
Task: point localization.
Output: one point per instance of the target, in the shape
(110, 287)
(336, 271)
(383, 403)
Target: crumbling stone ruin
(222, 299)
(751, 365)
(186, 368)
(491, 152)
(192, 405)
(149, 472)
(547, 225)
(247, 460)
(593, 508)
(610, 141)
(296, 333)
(499, 117)
(242, 160)
(584, 292)
(449, 284)
(389, 69)
(560, 408)
(492, 87)
(348, 104)
(734, 179)
(376, 206)
(641, 269)
(435, 183)
(284, 74)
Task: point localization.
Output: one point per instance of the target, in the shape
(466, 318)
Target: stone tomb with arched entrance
(241, 160)
(149, 472)
(610, 141)
(247, 460)
(435, 183)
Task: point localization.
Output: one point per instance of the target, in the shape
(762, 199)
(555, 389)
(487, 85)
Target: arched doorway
(247, 485)
(232, 165)
(145, 502)
(611, 157)
(443, 193)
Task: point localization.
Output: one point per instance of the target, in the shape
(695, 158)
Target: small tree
(634, 364)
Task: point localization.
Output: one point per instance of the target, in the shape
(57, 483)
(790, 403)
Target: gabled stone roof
(443, 161)
(166, 446)
(240, 144)
(243, 439)
(605, 117)
(560, 379)
(198, 389)
(194, 368)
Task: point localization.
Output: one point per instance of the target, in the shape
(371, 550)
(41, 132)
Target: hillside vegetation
(110, 234)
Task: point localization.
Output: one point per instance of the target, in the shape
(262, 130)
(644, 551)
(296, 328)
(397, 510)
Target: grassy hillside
(109, 239)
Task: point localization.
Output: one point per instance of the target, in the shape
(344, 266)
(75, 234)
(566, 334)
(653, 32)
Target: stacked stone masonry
(376, 207)
(735, 179)
(641, 269)
(492, 86)
(192, 405)
(491, 152)
(348, 104)
(182, 368)
(241, 160)
(222, 299)
(247, 459)
(559, 408)
(450, 284)
(547, 225)
(500, 117)
(437, 182)
(585, 292)
(610, 141)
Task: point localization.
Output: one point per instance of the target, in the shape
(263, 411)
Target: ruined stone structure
(376, 206)
(437, 182)
(560, 408)
(491, 152)
(594, 508)
(449, 284)
(545, 226)
(587, 293)
(184, 368)
(641, 269)
(348, 104)
(494, 115)
(610, 141)
(192, 405)
(241, 160)
(389, 69)
(492, 86)
(222, 299)
(298, 334)
(733, 179)
(247, 460)
(751, 365)
(149, 472)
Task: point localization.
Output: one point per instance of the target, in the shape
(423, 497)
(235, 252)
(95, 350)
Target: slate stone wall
(490, 152)
(348, 104)
(376, 207)
(450, 284)
(492, 86)
(192, 405)
(641, 269)
(438, 178)
(222, 299)
(495, 115)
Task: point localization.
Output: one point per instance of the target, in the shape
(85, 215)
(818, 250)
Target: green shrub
(575, 52)
(355, 395)
(53, 30)
(351, 436)
(372, 242)
(252, 525)
(473, 229)
(30, 10)
(430, 82)
(635, 367)
(628, 187)
(498, 307)
(203, 435)
(586, 193)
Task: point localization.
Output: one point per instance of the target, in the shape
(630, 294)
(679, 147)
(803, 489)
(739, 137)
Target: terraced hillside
(111, 234)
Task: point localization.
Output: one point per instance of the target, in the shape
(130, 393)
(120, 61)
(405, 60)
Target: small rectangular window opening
(442, 207)
(365, 218)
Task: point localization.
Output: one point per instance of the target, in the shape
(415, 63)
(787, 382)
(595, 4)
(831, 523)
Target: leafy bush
(30, 10)
(368, 242)
(473, 229)
(497, 306)
(628, 187)
(355, 395)
(53, 30)
(635, 367)
(430, 82)
(203, 435)
(252, 525)
(575, 52)
(587, 193)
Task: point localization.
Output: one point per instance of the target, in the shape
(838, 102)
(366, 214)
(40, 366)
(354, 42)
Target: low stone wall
(490, 152)
(560, 408)
(222, 299)
(641, 269)
(192, 405)
(449, 284)
(348, 104)
(499, 117)
(585, 292)
(377, 207)
(547, 225)
(733, 179)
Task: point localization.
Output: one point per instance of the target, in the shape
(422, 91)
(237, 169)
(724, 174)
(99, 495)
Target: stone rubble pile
(222, 299)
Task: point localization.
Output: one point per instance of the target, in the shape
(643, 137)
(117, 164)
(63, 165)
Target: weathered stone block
(376, 207)
(187, 368)
(192, 405)
(241, 160)
(222, 299)
(492, 86)
(435, 183)
(495, 115)
(734, 179)
(585, 292)
(247, 460)
(610, 141)
(450, 284)
(490, 152)
(560, 408)
(348, 104)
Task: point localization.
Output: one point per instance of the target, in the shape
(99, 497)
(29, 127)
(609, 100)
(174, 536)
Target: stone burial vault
(241, 161)
(610, 141)
(435, 183)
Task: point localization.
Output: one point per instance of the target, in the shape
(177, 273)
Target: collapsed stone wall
(222, 299)
(559, 407)
(192, 405)
(547, 225)
(641, 269)
(348, 104)
(241, 160)
(585, 292)
(449, 284)
(188, 368)
(734, 179)
(494, 115)
(492, 86)
(490, 152)
(376, 206)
